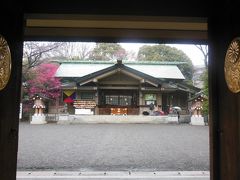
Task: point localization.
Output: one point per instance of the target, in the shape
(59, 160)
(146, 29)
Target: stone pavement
(97, 119)
(113, 175)
(113, 147)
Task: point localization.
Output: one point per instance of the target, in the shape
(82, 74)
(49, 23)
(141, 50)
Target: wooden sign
(81, 104)
(118, 111)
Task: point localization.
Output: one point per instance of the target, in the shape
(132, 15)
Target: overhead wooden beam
(114, 28)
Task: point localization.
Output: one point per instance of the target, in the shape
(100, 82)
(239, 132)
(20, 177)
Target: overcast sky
(190, 50)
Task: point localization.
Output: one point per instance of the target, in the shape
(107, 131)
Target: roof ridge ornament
(119, 61)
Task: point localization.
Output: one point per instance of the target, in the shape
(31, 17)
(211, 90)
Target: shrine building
(117, 88)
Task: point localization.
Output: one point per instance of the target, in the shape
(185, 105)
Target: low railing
(52, 117)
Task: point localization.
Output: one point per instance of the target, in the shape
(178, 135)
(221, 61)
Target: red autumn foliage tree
(43, 81)
(40, 80)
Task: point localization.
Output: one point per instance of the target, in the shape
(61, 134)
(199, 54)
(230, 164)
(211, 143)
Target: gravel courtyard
(110, 147)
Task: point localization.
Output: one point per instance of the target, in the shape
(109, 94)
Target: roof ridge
(124, 62)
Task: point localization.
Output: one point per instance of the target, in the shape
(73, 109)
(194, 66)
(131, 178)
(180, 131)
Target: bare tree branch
(204, 50)
(36, 52)
(76, 50)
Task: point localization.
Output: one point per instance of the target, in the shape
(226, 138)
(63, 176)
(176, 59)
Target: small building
(110, 88)
(196, 108)
(196, 104)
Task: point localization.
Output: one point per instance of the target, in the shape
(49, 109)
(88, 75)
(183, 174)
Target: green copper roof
(78, 69)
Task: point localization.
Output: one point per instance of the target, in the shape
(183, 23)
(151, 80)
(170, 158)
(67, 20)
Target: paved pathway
(114, 175)
(113, 147)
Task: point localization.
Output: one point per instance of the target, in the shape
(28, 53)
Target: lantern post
(38, 117)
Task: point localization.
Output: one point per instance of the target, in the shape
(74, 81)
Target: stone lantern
(196, 109)
(38, 106)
